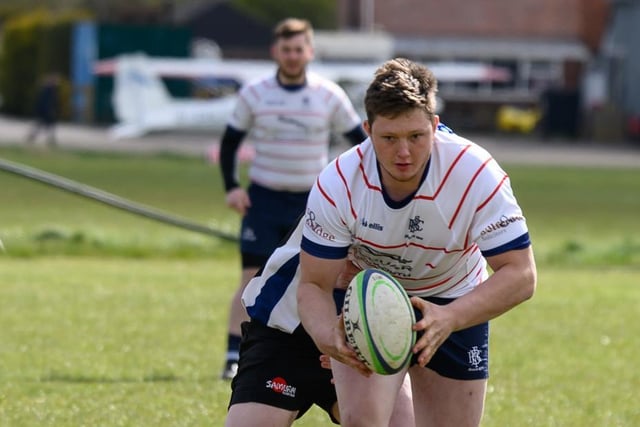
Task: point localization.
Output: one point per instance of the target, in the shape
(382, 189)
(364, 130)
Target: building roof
(479, 48)
(236, 33)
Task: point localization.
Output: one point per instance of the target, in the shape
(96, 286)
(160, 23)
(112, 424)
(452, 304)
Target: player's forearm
(510, 285)
(229, 144)
(317, 311)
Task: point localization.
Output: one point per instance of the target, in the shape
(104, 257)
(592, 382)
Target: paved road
(506, 149)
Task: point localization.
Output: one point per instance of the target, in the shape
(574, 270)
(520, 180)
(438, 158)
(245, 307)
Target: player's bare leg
(446, 402)
(237, 315)
(254, 414)
(402, 415)
(358, 395)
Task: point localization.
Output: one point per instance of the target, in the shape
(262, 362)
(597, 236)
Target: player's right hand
(343, 351)
(238, 200)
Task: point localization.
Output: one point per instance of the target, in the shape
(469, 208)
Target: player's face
(403, 145)
(292, 56)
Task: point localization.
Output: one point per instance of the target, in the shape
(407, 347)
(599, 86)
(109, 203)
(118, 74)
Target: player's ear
(367, 127)
(436, 121)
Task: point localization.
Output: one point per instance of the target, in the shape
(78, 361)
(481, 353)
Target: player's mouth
(294, 68)
(403, 167)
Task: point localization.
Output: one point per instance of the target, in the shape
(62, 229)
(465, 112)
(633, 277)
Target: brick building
(546, 44)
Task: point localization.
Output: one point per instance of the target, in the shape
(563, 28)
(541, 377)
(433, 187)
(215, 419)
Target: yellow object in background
(515, 119)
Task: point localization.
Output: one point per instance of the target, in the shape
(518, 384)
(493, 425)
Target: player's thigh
(402, 415)
(365, 401)
(441, 401)
(248, 273)
(257, 414)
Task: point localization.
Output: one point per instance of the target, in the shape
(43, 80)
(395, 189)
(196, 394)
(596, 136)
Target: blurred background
(572, 63)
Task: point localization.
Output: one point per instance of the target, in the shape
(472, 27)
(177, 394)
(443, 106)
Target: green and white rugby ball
(378, 318)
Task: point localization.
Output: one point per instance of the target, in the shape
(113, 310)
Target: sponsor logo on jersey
(280, 386)
(317, 228)
(292, 121)
(275, 101)
(499, 226)
(393, 264)
(371, 225)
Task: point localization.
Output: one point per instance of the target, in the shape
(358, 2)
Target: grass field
(109, 319)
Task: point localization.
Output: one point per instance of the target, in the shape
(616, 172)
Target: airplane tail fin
(137, 89)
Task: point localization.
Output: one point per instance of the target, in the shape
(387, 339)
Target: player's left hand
(435, 327)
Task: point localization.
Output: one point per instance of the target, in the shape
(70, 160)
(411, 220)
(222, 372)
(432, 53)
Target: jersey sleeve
(499, 224)
(242, 114)
(344, 115)
(326, 233)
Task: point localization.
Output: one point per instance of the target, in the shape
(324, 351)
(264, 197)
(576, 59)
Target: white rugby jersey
(433, 243)
(291, 128)
(270, 297)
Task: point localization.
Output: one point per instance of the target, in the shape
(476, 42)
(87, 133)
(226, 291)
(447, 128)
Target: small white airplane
(143, 104)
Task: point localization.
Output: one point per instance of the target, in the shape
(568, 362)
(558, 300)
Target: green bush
(34, 44)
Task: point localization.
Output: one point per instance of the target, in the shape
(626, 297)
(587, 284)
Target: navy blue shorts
(272, 215)
(464, 355)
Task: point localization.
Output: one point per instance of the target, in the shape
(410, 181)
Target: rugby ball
(378, 317)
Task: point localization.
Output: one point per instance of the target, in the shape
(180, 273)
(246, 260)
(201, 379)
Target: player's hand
(238, 200)
(435, 327)
(341, 351)
(325, 361)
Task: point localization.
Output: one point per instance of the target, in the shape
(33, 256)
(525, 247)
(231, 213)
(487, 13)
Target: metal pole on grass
(111, 199)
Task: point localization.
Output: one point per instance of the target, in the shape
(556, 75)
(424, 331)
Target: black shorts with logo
(282, 370)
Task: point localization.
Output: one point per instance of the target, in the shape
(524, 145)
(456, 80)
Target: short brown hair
(398, 86)
(291, 27)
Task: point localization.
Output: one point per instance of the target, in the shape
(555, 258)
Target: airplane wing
(143, 104)
(193, 68)
(245, 70)
(444, 71)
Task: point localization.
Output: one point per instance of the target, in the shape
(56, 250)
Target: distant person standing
(47, 107)
(291, 114)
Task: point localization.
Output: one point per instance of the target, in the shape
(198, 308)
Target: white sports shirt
(432, 243)
(291, 128)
